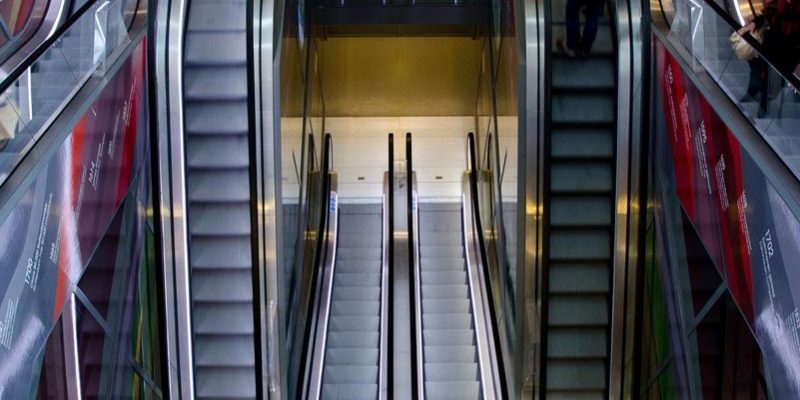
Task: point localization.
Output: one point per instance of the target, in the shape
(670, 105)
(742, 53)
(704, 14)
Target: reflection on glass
(768, 100)
(30, 103)
(655, 341)
(52, 378)
(92, 359)
(728, 358)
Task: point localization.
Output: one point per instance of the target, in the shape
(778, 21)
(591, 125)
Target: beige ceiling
(399, 76)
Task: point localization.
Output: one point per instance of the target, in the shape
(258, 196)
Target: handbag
(743, 50)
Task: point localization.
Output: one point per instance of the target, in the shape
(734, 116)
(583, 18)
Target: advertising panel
(749, 232)
(49, 236)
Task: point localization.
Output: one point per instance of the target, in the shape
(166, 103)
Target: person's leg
(573, 23)
(754, 80)
(763, 76)
(594, 10)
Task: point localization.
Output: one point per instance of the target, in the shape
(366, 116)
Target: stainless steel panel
(532, 47)
(484, 331)
(168, 42)
(322, 309)
(266, 66)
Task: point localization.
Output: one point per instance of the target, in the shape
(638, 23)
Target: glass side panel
(92, 349)
(34, 99)
(770, 101)
(728, 358)
(53, 378)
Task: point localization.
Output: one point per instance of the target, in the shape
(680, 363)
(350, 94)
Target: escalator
(579, 216)
(448, 334)
(218, 193)
(347, 340)
(456, 325)
(352, 356)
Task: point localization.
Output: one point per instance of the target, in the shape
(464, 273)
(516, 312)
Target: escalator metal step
(352, 354)
(448, 335)
(581, 216)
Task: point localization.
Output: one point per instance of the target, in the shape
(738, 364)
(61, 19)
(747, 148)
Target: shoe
(564, 49)
(747, 99)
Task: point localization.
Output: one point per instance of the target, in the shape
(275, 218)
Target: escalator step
(581, 210)
(579, 277)
(214, 152)
(228, 351)
(351, 374)
(445, 291)
(450, 354)
(340, 307)
(453, 390)
(353, 339)
(222, 319)
(437, 252)
(352, 356)
(217, 15)
(582, 143)
(223, 219)
(354, 324)
(204, 186)
(356, 293)
(216, 48)
(447, 306)
(215, 83)
(569, 343)
(443, 278)
(580, 245)
(586, 177)
(447, 321)
(457, 337)
(442, 264)
(562, 375)
(360, 279)
(584, 108)
(577, 310)
(225, 382)
(451, 372)
(221, 253)
(217, 118)
(588, 74)
(349, 391)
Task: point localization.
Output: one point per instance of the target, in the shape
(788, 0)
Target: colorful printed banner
(49, 236)
(747, 229)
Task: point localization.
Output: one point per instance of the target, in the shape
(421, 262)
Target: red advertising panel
(747, 229)
(50, 234)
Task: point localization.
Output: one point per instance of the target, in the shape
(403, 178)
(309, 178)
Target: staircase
(448, 335)
(580, 209)
(351, 368)
(218, 192)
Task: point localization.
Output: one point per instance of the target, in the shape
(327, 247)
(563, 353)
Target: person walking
(780, 24)
(578, 44)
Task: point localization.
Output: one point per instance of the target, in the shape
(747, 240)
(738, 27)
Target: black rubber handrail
(473, 193)
(319, 254)
(390, 258)
(411, 258)
(44, 46)
(788, 76)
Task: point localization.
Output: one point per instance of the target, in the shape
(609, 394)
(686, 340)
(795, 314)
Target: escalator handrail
(46, 44)
(788, 76)
(318, 265)
(473, 189)
(390, 260)
(413, 248)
